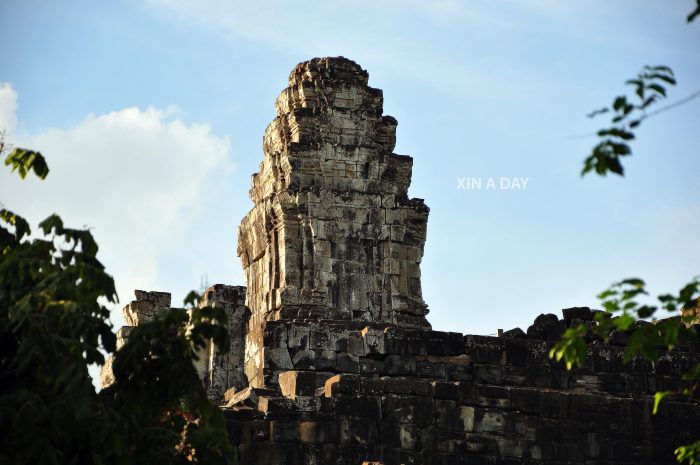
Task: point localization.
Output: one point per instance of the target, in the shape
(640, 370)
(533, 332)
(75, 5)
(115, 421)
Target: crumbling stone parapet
(145, 307)
(439, 397)
(218, 371)
(222, 371)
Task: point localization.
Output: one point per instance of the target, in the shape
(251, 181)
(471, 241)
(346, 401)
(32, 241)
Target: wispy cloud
(128, 175)
(399, 37)
(8, 107)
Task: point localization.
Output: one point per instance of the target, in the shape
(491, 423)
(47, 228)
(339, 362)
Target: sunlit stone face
(333, 234)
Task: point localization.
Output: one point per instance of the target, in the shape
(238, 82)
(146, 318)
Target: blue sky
(151, 116)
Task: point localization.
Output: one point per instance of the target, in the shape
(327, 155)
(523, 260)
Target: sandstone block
(106, 373)
(161, 299)
(301, 383)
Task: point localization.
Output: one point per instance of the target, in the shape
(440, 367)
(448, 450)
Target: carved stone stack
(333, 234)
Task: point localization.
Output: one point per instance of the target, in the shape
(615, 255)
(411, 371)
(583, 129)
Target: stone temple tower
(333, 234)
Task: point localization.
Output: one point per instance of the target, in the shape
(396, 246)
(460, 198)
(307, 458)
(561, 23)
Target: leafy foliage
(645, 338)
(24, 161)
(689, 453)
(650, 87)
(571, 348)
(192, 299)
(167, 416)
(624, 313)
(54, 323)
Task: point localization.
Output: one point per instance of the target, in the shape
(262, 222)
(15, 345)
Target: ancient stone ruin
(332, 360)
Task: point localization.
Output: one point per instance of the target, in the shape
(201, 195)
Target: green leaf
(571, 348)
(192, 299)
(636, 282)
(648, 101)
(606, 293)
(616, 132)
(657, 88)
(658, 397)
(41, 169)
(619, 102)
(620, 149)
(20, 224)
(646, 311)
(88, 244)
(663, 68)
(688, 292)
(611, 306)
(639, 85)
(615, 166)
(689, 453)
(624, 322)
(52, 223)
(694, 14)
(663, 77)
(24, 161)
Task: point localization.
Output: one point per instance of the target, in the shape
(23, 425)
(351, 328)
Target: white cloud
(468, 42)
(129, 175)
(8, 108)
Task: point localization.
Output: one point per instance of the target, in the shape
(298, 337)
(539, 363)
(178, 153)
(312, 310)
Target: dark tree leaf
(691, 17)
(620, 149)
(619, 102)
(20, 224)
(24, 161)
(52, 223)
(192, 299)
(615, 166)
(658, 89)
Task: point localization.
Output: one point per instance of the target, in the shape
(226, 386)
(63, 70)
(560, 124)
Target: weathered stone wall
(342, 394)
